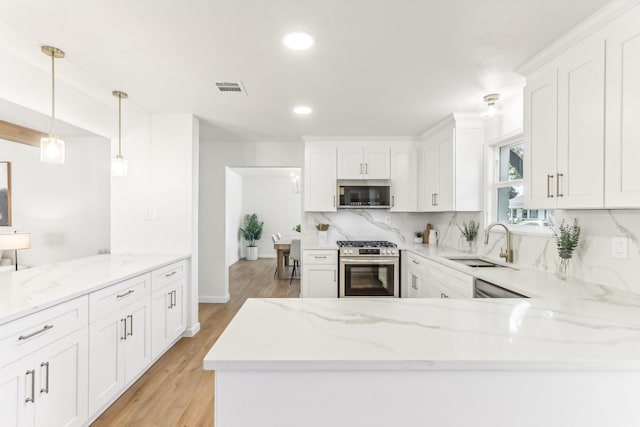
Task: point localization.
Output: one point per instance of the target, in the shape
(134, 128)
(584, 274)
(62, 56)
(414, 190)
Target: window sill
(524, 230)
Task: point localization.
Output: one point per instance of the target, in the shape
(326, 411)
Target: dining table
(281, 246)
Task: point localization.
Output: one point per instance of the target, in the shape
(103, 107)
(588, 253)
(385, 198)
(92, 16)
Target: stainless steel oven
(368, 269)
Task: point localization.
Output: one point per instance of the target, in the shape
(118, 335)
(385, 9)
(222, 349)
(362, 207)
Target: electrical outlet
(619, 247)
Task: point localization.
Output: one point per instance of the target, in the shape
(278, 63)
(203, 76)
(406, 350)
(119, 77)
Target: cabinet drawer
(456, 281)
(320, 257)
(112, 298)
(168, 274)
(29, 333)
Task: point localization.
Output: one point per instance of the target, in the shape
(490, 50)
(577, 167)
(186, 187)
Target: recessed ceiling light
(298, 41)
(302, 110)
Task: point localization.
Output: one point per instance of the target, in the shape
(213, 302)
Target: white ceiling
(378, 67)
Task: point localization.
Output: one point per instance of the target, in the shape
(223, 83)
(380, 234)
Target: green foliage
(419, 233)
(469, 231)
(252, 230)
(567, 238)
(297, 228)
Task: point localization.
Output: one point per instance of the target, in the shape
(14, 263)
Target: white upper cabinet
(319, 177)
(622, 175)
(451, 169)
(584, 96)
(404, 178)
(363, 160)
(564, 129)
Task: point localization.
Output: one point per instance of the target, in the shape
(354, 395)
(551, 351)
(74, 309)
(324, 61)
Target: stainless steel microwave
(364, 196)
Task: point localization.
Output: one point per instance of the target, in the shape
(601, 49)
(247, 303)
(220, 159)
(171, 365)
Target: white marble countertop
(363, 334)
(526, 281)
(26, 291)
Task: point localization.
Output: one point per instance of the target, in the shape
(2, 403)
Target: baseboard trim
(213, 300)
(191, 331)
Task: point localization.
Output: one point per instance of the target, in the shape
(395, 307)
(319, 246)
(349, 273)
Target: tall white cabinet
(451, 170)
(404, 177)
(564, 129)
(320, 167)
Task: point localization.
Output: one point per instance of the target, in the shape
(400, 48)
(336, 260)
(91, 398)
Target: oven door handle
(368, 261)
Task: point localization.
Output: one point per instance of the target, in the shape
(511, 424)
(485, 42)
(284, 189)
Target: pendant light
(52, 148)
(119, 165)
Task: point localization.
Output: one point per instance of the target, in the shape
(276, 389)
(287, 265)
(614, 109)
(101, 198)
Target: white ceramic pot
(252, 253)
(417, 240)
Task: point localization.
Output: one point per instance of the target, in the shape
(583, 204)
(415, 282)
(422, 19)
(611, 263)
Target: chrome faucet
(508, 254)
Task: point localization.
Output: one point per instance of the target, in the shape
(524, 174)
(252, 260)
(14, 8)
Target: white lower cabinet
(319, 274)
(120, 343)
(47, 387)
(423, 278)
(167, 306)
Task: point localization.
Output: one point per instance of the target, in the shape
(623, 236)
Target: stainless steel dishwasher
(482, 289)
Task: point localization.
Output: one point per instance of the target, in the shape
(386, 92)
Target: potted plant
(251, 232)
(297, 228)
(418, 238)
(567, 238)
(469, 232)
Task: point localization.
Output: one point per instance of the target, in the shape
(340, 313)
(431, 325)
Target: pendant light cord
(53, 95)
(120, 125)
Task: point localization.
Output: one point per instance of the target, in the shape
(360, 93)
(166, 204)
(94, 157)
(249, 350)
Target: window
(509, 188)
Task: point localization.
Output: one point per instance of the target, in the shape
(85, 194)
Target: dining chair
(275, 239)
(295, 256)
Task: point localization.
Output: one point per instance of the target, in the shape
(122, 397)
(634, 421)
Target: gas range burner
(365, 244)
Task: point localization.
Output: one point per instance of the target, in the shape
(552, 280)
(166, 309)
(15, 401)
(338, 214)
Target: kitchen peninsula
(446, 362)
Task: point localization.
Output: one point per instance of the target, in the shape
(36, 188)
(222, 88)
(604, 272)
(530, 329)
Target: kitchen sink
(476, 262)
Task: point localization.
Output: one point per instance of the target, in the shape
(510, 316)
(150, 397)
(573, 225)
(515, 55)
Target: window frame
(494, 185)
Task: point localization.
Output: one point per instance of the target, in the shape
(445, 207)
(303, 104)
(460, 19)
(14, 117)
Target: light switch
(619, 247)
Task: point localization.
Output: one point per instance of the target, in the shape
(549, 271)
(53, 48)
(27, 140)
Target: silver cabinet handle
(170, 274)
(335, 275)
(46, 381)
(549, 194)
(558, 193)
(130, 316)
(31, 372)
(175, 298)
(319, 257)
(334, 201)
(124, 336)
(436, 194)
(393, 201)
(33, 334)
(361, 169)
(129, 292)
(366, 168)
(433, 199)
(170, 299)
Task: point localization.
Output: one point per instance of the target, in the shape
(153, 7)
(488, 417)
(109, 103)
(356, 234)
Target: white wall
(270, 197)
(65, 207)
(214, 158)
(234, 215)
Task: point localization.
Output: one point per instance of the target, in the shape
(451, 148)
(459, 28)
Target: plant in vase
(297, 228)
(567, 238)
(469, 232)
(418, 238)
(251, 232)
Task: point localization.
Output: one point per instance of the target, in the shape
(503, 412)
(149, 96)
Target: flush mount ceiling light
(298, 41)
(492, 106)
(119, 165)
(302, 110)
(52, 148)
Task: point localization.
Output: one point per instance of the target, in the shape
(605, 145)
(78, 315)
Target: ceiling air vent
(231, 87)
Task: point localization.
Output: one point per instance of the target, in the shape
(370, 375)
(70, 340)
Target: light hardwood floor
(175, 391)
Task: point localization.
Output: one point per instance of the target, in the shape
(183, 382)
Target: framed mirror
(5, 194)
